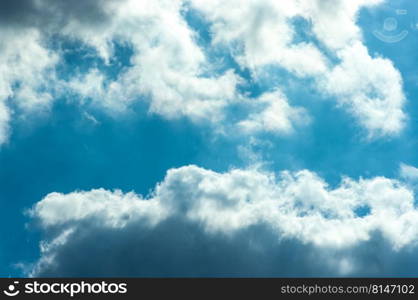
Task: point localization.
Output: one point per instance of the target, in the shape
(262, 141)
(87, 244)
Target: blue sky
(221, 132)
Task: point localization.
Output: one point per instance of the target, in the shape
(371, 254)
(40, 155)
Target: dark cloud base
(181, 249)
(50, 13)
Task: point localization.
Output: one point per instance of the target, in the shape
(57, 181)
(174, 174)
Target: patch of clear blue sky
(65, 151)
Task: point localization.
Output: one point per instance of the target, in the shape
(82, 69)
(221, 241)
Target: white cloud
(334, 21)
(408, 172)
(276, 115)
(370, 87)
(26, 67)
(168, 67)
(263, 32)
(299, 206)
(173, 73)
(112, 209)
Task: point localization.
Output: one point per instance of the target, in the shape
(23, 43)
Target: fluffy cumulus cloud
(27, 64)
(370, 88)
(176, 74)
(261, 34)
(23, 78)
(168, 67)
(271, 112)
(242, 222)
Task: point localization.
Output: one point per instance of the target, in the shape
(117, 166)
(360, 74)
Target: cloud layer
(230, 209)
(177, 75)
